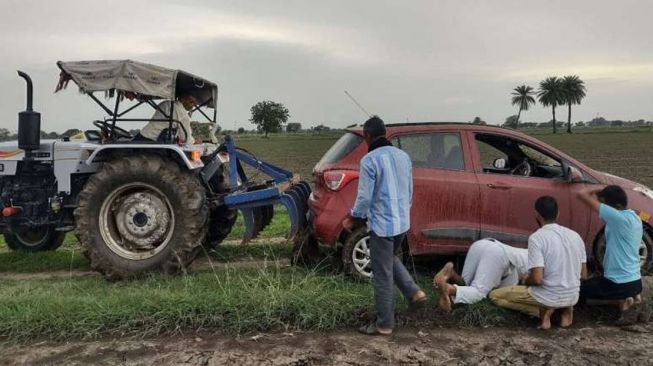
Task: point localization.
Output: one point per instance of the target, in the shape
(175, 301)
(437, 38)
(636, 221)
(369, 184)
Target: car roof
(393, 128)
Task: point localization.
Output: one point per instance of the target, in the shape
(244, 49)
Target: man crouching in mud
(621, 282)
(557, 263)
(489, 264)
(385, 191)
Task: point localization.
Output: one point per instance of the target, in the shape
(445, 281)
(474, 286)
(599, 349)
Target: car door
(445, 209)
(507, 199)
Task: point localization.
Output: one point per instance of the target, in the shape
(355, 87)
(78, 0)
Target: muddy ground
(601, 345)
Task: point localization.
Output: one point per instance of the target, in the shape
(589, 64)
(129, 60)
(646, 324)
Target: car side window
(489, 154)
(441, 150)
(504, 155)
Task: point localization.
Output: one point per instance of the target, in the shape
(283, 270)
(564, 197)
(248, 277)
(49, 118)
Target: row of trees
(6, 135)
(553, 92)
(511, 122)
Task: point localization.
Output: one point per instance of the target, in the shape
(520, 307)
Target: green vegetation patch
(229, 301)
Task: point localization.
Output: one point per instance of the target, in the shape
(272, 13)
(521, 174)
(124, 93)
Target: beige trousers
(516, 298)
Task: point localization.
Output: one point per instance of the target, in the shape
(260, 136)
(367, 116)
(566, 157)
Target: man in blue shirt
(621, 280)
(385, 193)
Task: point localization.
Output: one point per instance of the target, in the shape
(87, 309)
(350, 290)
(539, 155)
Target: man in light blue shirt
(385, 191)
(621, 280)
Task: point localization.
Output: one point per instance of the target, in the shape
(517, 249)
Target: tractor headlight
(645, 191)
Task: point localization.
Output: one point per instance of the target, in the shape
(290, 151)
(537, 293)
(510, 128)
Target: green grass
(69, 255)
(237, 252)
(278, 227)
(230, 301)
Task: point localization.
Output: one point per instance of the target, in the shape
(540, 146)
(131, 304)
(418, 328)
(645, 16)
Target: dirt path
(596, 346)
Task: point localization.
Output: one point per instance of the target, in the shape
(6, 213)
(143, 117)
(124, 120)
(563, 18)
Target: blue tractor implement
(255, 201)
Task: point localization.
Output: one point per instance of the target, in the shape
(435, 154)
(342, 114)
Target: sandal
(417, 304)
(372, 329)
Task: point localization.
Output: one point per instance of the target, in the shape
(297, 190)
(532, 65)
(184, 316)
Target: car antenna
(367, 114)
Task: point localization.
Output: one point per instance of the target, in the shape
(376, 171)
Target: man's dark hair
(547, 207)
(374, 127)
(614, 196)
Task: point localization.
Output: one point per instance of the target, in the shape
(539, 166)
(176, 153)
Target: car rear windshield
(345, 144)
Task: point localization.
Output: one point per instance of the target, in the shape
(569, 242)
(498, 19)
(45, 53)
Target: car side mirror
(499, 163)
(571, 174)
(574, 175)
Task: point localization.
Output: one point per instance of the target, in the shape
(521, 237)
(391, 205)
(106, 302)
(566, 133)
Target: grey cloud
(416, 60)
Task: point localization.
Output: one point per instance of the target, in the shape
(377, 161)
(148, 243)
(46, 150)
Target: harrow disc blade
(267, 212)
(256, 219)
(293, 213)
(295, 200)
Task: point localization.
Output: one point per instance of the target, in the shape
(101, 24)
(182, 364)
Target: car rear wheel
(645, 252)
(356, 255)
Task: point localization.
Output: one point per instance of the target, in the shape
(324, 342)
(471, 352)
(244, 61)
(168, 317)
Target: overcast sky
(403, 60)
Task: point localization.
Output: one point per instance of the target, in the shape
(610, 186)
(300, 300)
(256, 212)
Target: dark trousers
(388, 271)
(601, 288)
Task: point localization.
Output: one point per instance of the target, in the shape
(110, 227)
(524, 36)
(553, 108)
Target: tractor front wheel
(37, 239)
(140, 214)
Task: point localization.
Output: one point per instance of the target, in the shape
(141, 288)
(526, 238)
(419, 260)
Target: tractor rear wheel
(38, 239)
(140, 214)
(221, 218)
(221, 221)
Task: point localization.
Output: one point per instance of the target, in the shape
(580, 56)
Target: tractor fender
(176, 151)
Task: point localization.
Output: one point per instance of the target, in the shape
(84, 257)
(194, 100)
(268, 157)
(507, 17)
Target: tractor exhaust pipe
(29, 123)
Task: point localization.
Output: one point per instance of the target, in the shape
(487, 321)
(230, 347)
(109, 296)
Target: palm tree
(523, 97)
(574, 89)
(551, 94)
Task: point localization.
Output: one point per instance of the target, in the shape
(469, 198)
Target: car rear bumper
(327, 218)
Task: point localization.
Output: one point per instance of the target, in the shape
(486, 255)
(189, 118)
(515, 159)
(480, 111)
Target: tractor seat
(93, 135)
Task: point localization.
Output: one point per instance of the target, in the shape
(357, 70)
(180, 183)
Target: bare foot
(445, 297)
(627, 303)
(566, 317)
(442, 277)
(545, 316)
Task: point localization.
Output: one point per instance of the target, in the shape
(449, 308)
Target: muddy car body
(470, 182)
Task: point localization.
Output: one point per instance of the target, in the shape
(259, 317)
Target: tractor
(136, 206)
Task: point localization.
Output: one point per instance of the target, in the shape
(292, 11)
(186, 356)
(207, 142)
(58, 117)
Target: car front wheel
(645, 252)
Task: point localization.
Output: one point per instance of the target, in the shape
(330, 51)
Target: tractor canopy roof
(136, 79)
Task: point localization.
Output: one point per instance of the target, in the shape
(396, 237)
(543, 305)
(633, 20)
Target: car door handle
(498, 186)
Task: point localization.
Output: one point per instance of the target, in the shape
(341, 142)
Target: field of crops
(628, 154)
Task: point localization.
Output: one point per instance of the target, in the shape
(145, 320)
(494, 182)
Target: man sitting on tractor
(156, 130)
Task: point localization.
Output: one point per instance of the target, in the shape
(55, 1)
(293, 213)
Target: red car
(470, 182)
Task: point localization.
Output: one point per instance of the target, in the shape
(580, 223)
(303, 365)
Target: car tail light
(334, 180)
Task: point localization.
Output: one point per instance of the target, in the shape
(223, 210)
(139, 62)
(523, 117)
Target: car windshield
(538, 157)
(346, 144)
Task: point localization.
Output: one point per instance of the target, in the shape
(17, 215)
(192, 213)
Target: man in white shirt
(182, 106)
(557, 262)
(489, 264)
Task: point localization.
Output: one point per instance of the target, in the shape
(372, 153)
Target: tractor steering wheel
(118, 132)
(524, 169)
